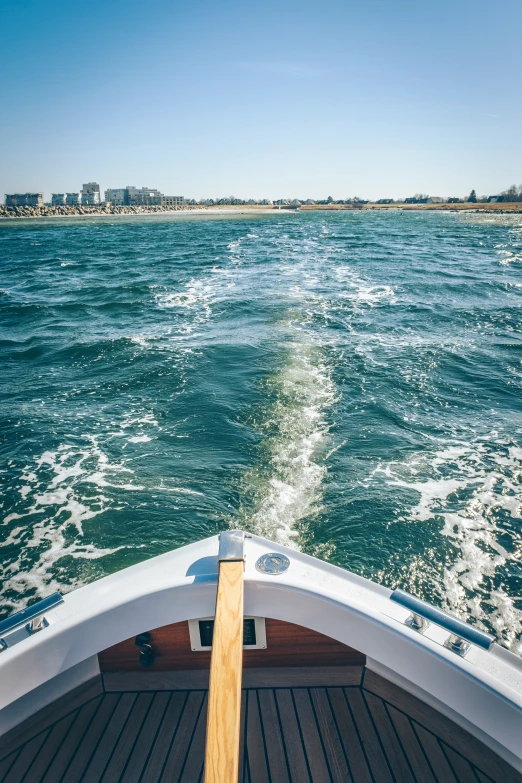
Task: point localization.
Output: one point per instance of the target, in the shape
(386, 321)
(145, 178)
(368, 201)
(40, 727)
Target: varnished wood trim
(302, 677)
(287, 644)
(122, 682)
(455, 736)
(284, 677)
(226, 669)
(49, 715)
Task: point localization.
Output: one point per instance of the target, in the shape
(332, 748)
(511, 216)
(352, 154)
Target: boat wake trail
(318, 290)
(288, 487)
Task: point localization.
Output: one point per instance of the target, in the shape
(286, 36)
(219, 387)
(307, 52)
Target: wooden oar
(226, 667)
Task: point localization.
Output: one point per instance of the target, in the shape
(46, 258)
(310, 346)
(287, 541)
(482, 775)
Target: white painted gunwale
(482, 692)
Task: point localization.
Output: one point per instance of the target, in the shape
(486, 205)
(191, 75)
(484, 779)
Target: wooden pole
(226, 668)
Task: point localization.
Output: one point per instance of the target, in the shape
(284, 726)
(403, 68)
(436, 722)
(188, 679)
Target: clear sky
(375, 98)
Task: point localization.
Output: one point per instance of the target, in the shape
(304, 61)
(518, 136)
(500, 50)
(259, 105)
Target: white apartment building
(141, 197)
(116, 196)
(58, 199)
(172, 201)
(91, 194)
(24, 200)
(73, 199)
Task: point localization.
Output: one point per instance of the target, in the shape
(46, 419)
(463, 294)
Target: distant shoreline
(466, 206)
(35, 213)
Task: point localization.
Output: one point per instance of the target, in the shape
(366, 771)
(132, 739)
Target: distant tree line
(513, 193)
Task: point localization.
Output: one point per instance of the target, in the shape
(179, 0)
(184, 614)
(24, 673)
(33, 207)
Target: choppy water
(348, 384)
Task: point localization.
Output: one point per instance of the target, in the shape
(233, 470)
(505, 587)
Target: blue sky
(265, 99)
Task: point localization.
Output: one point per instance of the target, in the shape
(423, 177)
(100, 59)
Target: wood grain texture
(435, 754)
(287, 645)
(47, 716)
(337, 762)
(25, 758)
(177, 754)
(109, 739)
(369, 736)
(317, 760)
(295, 751)
(7, 763)
(91, 738)
(388, 736)
(257, 761)
(144, 742)
(463, 770)
(284, 677)
(226, 668)
(275, 749)
(48, 750)
(68, 747)
(162, 743)
(128, 738)
(289, 735)
(448, 731)
(353, 749)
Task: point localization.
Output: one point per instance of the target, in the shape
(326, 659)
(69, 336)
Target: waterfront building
(73, 199)
(24, 200)
(435, 200)
(117, 197)
(91, 194)
(141, 197)
(172, 201)
(58, 199)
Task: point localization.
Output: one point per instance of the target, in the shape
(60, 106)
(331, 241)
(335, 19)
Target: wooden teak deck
(363, 731)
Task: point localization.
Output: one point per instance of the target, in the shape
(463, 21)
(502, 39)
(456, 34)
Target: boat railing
(422, 614)
(33, 617)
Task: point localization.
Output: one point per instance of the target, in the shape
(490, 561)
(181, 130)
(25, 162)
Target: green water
(347, 384)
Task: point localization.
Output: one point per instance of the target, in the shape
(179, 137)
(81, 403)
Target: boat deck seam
(339, 734)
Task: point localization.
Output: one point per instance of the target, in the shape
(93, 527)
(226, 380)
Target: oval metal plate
(272, 563)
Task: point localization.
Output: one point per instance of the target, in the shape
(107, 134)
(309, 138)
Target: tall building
(91, 194)
(141, 197)
(116, 196)
(24, 200)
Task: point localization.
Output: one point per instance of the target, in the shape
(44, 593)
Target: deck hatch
(201, 632)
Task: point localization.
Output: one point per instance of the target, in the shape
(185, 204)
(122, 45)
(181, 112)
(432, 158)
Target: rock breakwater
(65, 211)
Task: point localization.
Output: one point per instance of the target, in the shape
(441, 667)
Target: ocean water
(348, 384)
